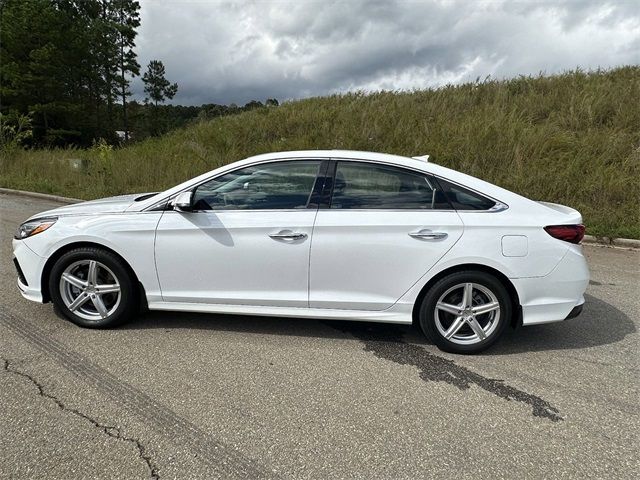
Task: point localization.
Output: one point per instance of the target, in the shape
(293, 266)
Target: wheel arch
(53, 258)
(513, 293)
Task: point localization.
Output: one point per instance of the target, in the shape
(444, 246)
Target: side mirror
(182, 203)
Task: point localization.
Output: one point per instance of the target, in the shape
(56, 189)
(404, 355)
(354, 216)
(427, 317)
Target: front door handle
(428, 235)
(288, 235)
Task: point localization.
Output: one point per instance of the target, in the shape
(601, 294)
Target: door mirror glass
(182, 202)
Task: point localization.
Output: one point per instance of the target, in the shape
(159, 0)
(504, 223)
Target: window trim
(329, 195)
(164, 204)
(501, 206)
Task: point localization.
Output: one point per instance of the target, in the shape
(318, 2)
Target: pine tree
(156, 85)
(65, 63)
(158, 89)
(128, 21)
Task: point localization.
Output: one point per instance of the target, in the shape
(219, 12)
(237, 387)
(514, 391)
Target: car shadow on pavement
(599, 324)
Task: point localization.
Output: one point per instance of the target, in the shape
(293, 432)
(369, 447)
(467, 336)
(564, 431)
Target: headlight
(33, 227)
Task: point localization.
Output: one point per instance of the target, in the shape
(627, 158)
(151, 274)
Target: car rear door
(247, 240)
(379, 230)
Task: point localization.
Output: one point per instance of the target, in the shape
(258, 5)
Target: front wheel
(92, 288)
(465, 312)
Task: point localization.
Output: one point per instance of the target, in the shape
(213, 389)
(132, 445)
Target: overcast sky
(236, 51)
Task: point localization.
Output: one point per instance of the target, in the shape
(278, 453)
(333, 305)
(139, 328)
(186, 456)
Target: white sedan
(318, 234)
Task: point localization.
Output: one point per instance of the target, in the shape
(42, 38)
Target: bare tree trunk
(124, 95)
(107, 76)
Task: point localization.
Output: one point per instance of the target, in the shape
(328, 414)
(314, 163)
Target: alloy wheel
(467, 313)
(90, 290)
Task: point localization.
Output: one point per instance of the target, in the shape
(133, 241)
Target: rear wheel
(92, 288)
(465, 312)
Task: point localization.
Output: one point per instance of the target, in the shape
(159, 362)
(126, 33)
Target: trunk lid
(569, 216)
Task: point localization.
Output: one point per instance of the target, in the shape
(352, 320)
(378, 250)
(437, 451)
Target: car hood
(103, 205)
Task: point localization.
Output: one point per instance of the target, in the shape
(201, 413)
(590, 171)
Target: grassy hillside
(572, 139)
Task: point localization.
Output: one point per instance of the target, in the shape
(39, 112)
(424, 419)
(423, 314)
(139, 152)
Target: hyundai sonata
(320, 234)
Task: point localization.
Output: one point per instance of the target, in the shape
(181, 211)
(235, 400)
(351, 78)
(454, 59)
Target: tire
(107, 299)
(458, 325)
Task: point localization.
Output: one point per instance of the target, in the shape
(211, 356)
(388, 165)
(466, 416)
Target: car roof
(354, 154)
(418, 163)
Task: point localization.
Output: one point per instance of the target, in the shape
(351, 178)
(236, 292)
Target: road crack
(224, 460)
(112, 431)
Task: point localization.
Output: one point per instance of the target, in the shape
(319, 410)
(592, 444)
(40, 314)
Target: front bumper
(31, 265)
(557, 296)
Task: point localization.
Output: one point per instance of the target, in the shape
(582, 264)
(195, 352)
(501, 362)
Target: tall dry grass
(572, 138)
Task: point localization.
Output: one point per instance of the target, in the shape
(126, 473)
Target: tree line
(66, 68)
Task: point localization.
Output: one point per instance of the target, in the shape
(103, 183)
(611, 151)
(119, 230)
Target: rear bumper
(557, 296)
(30, 265)
(577, 310)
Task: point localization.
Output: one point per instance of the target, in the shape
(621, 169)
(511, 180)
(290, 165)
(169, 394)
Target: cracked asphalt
(213, 396)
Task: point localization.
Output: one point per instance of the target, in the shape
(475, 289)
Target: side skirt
(399, 313)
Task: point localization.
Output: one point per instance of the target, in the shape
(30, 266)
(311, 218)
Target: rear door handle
(428, 235)
(288, 235)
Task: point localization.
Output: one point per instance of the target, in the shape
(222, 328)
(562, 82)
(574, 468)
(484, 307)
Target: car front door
(246, 240)
(382, 228)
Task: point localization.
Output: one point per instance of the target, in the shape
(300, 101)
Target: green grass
(572, 139)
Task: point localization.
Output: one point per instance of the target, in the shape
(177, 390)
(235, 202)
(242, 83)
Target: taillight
(567, 233)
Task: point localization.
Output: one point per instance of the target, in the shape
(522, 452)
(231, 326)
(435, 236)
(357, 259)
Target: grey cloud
(239, 51)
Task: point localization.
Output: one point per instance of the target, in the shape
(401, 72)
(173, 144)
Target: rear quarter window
(464, 199)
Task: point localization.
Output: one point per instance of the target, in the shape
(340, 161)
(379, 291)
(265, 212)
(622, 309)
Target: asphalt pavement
(218, 396)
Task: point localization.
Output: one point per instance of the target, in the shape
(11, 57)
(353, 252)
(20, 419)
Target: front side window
(370, 186)
(279, 185)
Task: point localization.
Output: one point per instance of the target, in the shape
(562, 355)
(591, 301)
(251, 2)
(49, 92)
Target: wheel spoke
(100, 306)
(455, 326)
(102, 289)
(467, 296)
(78, 302)
(477, 329)
(73, 280)
(447, 307)
(92, 276)
(486, 308)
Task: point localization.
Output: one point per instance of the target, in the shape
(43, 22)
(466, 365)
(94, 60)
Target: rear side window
(464, 199)
(360, 185)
